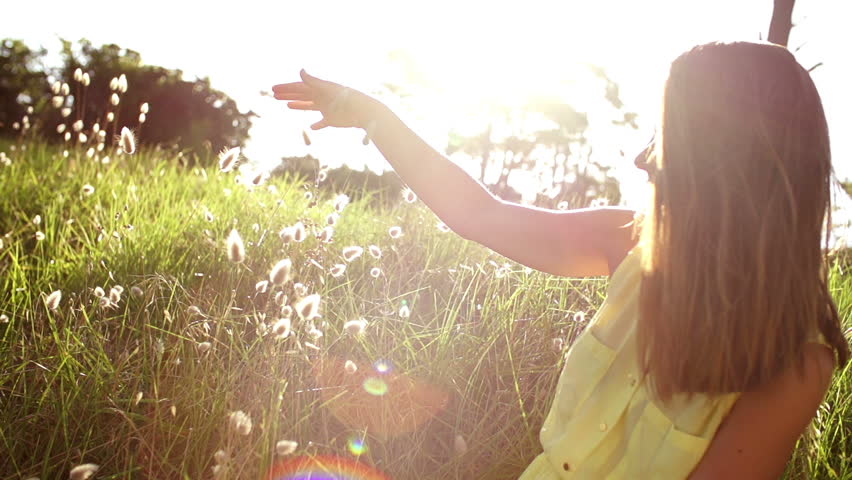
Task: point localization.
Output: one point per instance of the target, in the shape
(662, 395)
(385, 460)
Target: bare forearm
(446, 188)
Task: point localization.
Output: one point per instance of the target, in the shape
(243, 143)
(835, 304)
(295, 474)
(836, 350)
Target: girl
(718, 337)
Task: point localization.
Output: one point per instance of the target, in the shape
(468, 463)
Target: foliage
(381, 189)
(558, 155)
(189, 115)
(20, 81)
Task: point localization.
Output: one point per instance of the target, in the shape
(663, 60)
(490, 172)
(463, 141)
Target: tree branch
(782, 22)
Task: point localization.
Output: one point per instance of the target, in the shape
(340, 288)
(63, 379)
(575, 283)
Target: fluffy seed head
(114, 295)
(281, 328)
(300, 289)
(77, 126)
(308, 308)
(128, 143)
(82, 137)
(87, 80)
(65, 89)
(228, 159)
(280, 298)
(142, 118)
(114, 99)
(299, 233)
(579, 317)
(409, 195)
(143, 108)
(337, 270)
(110, 116)
(558, 343)
(136, 291)
(240, 422)
(122, 83)
(332, 218)
(287, 234)
(56, 87)
(52, 300)
(261, 286)
(280, 272)
(39, 235)
(350, 367)
(204, 347)
(84, 471)
(194, 310)
(57, 102)
(443, 227)
(88, 189)
(352, 252)
(375, 272)
(404, 311)
(326, 234)
(459, 445)
(236, 249)
(113, 84)
(395, 232)
(314, 333)
(221, 457)
(355, 327)
(285, 447)
(375, 251)
(340, 202)
(78, 75)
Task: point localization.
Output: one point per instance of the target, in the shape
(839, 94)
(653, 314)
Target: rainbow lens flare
(323, 467)
(357, 446)
(375, 386)
(380, 400)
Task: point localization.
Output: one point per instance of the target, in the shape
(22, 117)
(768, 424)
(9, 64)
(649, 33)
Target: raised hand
(340, 106)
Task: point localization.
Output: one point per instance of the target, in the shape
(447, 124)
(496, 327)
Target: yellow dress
(603, 424)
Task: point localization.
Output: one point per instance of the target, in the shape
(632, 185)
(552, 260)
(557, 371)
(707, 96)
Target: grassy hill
(460, 347)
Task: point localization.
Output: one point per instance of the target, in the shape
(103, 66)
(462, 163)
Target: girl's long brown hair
(734, 275)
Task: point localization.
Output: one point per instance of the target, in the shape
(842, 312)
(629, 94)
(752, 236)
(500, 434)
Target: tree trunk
(782, 22)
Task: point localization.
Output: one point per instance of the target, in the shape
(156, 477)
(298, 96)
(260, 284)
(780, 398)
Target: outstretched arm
(582, 242)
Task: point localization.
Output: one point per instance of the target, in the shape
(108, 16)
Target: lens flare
(323, 467)
(357, 446)
(382, 366)
(375, 386)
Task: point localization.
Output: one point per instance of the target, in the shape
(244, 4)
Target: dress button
(566, 466)
(602, 427)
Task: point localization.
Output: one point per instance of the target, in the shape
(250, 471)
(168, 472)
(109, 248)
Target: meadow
(166, 355)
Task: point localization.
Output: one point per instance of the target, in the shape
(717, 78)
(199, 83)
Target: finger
(293, 96)
(312, 81)
(319, 125)
(303, 106)
(290, 87)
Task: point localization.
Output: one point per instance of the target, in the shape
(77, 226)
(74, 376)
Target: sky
(465, 52)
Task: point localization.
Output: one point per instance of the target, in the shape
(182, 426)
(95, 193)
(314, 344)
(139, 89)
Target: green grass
(478, 345)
